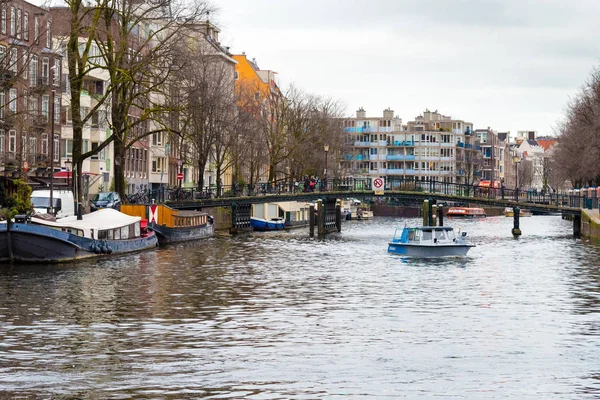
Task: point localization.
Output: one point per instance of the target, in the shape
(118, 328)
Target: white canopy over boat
(90, 224)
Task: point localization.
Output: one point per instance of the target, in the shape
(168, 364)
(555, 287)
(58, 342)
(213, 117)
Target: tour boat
(363, 213)
(261, 224)
(466, 212)
(429, 241)
(103, 232)
(173, 225)
(509, 212)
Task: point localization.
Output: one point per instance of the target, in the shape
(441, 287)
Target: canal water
(281, 316)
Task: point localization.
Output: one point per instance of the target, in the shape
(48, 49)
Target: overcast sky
(509, 64)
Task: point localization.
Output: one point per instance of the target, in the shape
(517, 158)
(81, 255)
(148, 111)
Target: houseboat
(173, 225)
(466, 212)
(104, 232)
(429, 241)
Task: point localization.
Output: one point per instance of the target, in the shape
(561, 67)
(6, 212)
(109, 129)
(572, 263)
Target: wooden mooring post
(516, 231)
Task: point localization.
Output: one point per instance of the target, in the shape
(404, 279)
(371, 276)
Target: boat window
(411, 234)
(125, 232)
(137, 229)
(103, 235)
(440, 235)
(110, 234)
(426, 236)
(117, 233)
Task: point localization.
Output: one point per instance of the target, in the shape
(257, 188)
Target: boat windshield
(426, 236)
(440, 235)
(43, 202)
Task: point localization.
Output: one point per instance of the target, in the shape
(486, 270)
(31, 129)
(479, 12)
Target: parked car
(106, 200)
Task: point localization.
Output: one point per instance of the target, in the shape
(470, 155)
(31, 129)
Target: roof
(106, 218)
(532, 142)
(546, 143)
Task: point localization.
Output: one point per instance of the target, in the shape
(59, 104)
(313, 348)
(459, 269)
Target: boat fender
(103, 248)
(95, 248)
(109, 249)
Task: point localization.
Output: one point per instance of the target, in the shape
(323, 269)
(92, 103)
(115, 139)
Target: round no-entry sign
(180, 176)
(378, 184)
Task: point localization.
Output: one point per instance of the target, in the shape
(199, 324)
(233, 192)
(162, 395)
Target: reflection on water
(279, 315)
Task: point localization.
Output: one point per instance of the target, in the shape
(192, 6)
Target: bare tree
(578, 148)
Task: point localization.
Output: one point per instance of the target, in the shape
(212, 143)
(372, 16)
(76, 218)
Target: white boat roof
(105, 218)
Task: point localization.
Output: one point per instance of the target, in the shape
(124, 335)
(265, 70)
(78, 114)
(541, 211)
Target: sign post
(378, 186)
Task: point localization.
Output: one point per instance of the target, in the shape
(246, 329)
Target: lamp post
(67, 164)
(326, 148)
(516, 160)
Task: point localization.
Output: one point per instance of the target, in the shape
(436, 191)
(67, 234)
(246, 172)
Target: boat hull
(259, 224)
(415, 250)
(173, 235)
(30, 243)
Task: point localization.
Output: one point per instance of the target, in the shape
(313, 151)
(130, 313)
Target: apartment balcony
(362, 144)
(399, 143)
(400, 157)
(350, 129)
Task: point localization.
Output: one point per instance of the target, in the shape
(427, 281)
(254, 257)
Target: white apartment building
(433, 147)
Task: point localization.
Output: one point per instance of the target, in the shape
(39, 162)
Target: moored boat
(466, 212)
(262, 224)
(173, 225)
(104, 232)
(363, 213)
(429, 241)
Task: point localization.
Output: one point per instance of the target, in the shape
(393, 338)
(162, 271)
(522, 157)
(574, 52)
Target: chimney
(388, 113)
(361, 113)
(532, 135)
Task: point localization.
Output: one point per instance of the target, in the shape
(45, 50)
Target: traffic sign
(25, 165)
(180, 176)
(154, 214)
(378, 185)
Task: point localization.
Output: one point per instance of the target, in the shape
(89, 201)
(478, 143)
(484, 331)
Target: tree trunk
(119, 170)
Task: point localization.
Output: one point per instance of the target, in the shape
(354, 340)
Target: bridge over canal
(398, 192)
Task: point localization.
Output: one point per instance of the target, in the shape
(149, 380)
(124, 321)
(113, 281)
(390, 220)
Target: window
(157, 139)
(19, 23)
(45, 144)
(33, 70)
(12, 141)
(3, 56)
(56, 148)
(13, 64)
(12, 21)
(4, 19)
(33, 105)
(12, 100)
(26, 25)
(36, 29)
(2, 139)
(2, 103)
(66, 148)
(33, 145)
(45, 104)
(48, 35)
(56, 75)
(45, 70)
(24, 58)
(57, 109)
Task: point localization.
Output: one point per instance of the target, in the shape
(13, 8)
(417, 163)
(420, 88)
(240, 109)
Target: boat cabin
(426, 235)
(104, 224)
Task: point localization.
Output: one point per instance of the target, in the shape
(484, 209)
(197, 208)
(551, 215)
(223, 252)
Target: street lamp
(326, 148)
(67, 165)
(516, 160)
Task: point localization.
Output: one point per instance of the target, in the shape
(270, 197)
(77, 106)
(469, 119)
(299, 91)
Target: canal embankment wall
(590, 224)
